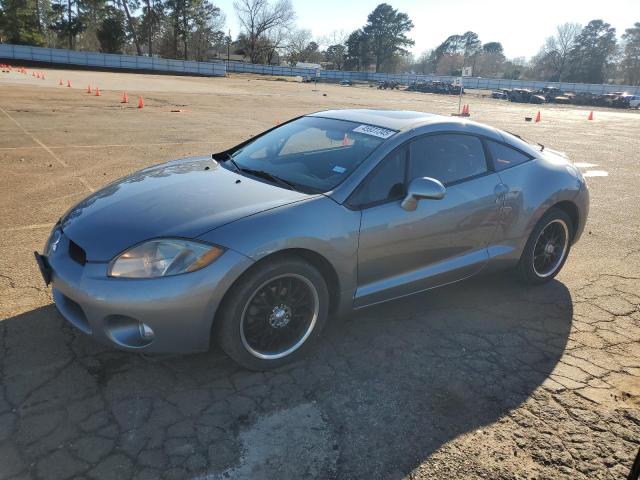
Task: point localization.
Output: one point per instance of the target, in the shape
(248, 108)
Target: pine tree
(20, 22)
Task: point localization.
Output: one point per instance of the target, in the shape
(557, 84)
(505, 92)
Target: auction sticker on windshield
(374, 131)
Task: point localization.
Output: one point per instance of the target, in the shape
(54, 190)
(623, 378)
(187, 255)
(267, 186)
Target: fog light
(128, 332)
(146, 331)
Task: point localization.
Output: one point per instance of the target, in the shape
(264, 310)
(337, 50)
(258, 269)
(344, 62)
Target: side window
(505, 157)
(447, 157)
(385, 183)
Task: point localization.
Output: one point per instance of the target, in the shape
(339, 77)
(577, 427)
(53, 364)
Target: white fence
(469, 82)
(132, 62)
(107, 60)
(241, 67)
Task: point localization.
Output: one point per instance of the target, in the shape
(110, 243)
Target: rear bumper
(162, 315)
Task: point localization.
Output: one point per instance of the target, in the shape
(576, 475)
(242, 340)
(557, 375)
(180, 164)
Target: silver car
(257, 246)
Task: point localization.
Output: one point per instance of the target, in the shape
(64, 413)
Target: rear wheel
(273, 314)
(547, 248)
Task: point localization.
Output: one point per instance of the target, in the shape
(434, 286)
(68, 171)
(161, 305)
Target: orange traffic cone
(538, 117)
(60, 83)
(68, 83)
(42, 77)
(125, 98)
(345, 141)
(467, 110)
(33, 74)
(38, 76)
(89, 88)
(98, 92)
(590, 117)
(140, 102)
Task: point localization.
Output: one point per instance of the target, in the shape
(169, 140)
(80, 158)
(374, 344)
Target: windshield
(311, 154)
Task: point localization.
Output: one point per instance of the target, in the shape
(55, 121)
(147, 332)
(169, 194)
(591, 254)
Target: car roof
(404, 120)
(392, 119)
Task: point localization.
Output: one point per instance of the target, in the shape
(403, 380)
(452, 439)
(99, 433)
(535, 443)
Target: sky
(521, 27)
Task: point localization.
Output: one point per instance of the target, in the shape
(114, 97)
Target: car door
(402, 252)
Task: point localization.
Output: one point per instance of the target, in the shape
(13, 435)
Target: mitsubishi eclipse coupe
(255, 247)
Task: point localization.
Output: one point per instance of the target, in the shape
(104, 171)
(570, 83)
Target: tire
(532, 269)
(274, 301)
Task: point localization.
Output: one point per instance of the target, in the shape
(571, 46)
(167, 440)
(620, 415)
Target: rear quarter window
(505, 157)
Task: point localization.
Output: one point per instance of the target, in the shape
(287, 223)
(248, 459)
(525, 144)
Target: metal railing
(219, 68)
(109, 60)
(469, 82)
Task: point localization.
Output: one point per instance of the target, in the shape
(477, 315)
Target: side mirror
(420, 189)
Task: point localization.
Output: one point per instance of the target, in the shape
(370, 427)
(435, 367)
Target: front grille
(77, 253)
(71, 311)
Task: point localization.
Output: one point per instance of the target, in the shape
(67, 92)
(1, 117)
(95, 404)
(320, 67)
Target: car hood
(184, 198)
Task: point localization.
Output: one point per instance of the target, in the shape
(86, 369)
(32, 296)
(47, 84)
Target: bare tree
(132, 29)
(151, 22)
(560, 45)
(258, 18)
(297, 41)
(565, 40)
(276, 40)
(335, 37)
(424, 63)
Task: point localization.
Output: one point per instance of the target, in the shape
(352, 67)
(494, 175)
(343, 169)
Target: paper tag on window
(339, 169)
(374, 131)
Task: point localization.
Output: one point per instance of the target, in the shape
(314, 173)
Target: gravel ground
(483, 379)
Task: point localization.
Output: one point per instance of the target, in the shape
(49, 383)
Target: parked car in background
(502, 94)
(430, 86)
(520, 95)
(391, 85)
(624, 101)
(555, 95)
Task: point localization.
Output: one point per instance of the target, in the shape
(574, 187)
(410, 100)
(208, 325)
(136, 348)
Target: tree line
(184, 29)
(195, 30)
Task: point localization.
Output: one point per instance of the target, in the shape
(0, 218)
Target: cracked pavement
(482, 379)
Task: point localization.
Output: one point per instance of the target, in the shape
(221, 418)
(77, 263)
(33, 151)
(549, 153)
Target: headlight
(52, 242)
(162, 258)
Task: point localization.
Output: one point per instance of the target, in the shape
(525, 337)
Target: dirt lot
(483, 379)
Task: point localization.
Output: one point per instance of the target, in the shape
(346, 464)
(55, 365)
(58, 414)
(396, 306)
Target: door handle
(501, 190)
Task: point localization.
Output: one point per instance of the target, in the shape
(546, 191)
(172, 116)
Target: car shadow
(380, 393)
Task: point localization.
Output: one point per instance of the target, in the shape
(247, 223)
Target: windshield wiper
(233, 162)
(227, 157)
(260, 173)
(267, 176)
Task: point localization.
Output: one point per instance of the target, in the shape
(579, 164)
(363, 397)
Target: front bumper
(160, 315)
(582, 202)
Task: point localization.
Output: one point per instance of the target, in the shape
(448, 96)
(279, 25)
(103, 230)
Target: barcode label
(374, 131)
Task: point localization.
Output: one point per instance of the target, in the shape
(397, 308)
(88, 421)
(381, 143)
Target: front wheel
(547, 248)
(273, 314)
